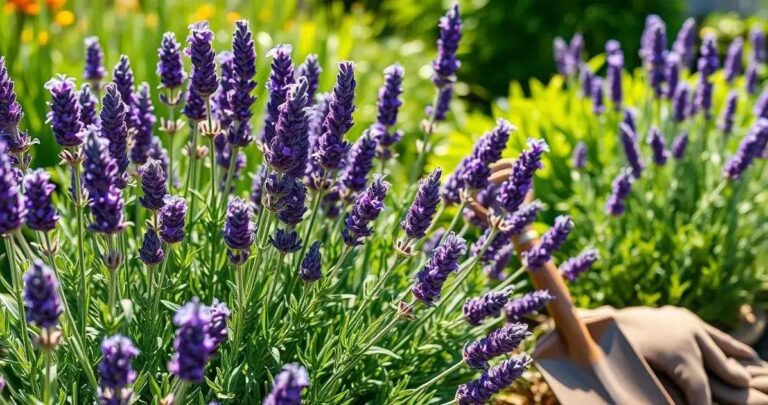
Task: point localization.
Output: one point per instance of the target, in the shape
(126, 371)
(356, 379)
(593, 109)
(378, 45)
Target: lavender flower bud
(367, 208)
(221, 100)
(550, 242)
(562, 57)
(256, 188)
(685, 42)
(194, 108)
(114, 129)
(286, 241)
(65, 111)
(389, 101)
(622, 185)
(751, 147)
(679, 145)
(576, 48)
(512, 191)
(200, 50)
(757, 37)
(94, 60)
(681, 102)
(311, 71)
(170, 67)
(494, 268)
(115, 368)
(153, 184)
(499, 342)
(107, 211)
(10, 109)
(217, 327)
(122, 76)
(87, 102)
(750, 78)
(193, 347)
(487, 306)
(287, 152)
(708, 60)
(144, 117)
(672, 74)
(293, 203)
(41, 215)
(440, 112)
(480, 391)
(574, 266)
(354, 176)
(280, 79)
(446, 64)
(151, 251)
(42, 303)
(238, 229)
(523, 217)
(613, 74)
(100, 169)
(419, 216)
(172, 217)
(631, 149)
(528, 303)
(728, 112)
(733, 64)
(287, 387)
(703, 97)
(655, 49)
(312, 266)
(587, 77)
(579, 156)
(245, 69)
(444, 261)
(597, 96)
(658, 145)
(331, 145)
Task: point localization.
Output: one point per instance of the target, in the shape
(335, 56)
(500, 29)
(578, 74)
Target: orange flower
(32, 7)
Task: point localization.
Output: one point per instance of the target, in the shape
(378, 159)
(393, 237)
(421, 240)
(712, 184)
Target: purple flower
(107, 211)
(286, 241)
(446, 64)
(586, 76)
(65, 111)
(94, 60)
(751, 147)
(703, 97)
(42, 303)
(144, 116)
(750, 78)
(631, 149)
(41, 215)
(100, 168)
(574, 266)
(757, 37)
(622, 185)
(122, 76)
(679, 145)
(733, 63)
(658, 145)
(728, 112)
(494, 268)
(153, 185)
(331, 145)
(672, 74)
(563, 61)
(708, 60)
(420, 214)
(384, 139)
(245, 69)
(200, 50)
(444, 261)
(170, 67)
(550, 242)
(653, 52)
(597, 96)
(487, 306)
(88, 103)
(151, 251)
(576, 48)
(579, 155)
(760, 109)
(613, 73)
(115, 368)
(172, 217)
(194, 108)
(217, 327)
(115, 130)
(685, 43)
(287, 387)
(523, 217)
(512, 191)
(256, 188)
(528, 303)
(443, 103)
(293, 202)
(312, 266)
(193, 347)
(367, 208)
(288, 149)
(478, 392)
(10, 109)
(281, 78)
(681, 106)
(354, 176)
(238, 229)
(499, 342)
(311, 71)
(389, 96)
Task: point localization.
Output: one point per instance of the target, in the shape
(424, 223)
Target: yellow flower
(27, 35)
(42, 37)
(203, 12)
(233, 16)
(64, 18)
(151, 20)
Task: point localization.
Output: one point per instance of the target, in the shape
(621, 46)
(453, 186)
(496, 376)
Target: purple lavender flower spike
(115, 369)
(194, 108)
(672, 74)
(172, 217)
(613, 74)
(42, 303)
(10, 109)
(367, 208)
(550, 242)
(512, 191)
(679, 145)
(760, 109)
(389, 101)
(331, 145)
(192, 345)
(41, 215)
(94, 61)
(658, 145)
(685, 43)
(153, 185)
(703, 97)
(88, 103)
(100, 168)
(384, 140)
(311, 71)
(446, 64)
(107, 211)
(286, 241)
(751, 147)
(586, 77)
(288, 149)
(354, 176)
(244, 69)
(256, 188)
(443, 103)
(681, 102)
(757, 38)
(733, 63)
(419, 216)
(238, 229)
(708, 59)
(728, 112)
(151, 251)
(312, 266)
(144, 116)
(200, 50)
(65, 111)
(487, 306)
(480, 391)
(574, 266)
(598, 107)
(523, 217)
(294, 203)
(217, 327)
(281, 77)
(528, 303)
(122, 76)
(576, 48)
(647, 37)
(494, 268)
(631, 149)
(622, 186)
(579, 156)
(221, 100)
(170, 67)
(562, 57)
(287, 386)
(114, 128)
(750, 78)
(444, 261)
(654, 50)
(499, 342)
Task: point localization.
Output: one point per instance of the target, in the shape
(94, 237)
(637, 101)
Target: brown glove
(695, 361)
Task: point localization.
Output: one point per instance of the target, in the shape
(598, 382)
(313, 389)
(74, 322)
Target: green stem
(47, 381)
(17, 287)
(399, 259)
(240, 316)
(455, 220)
(171, 124)
(81, 297)
(438, 377)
